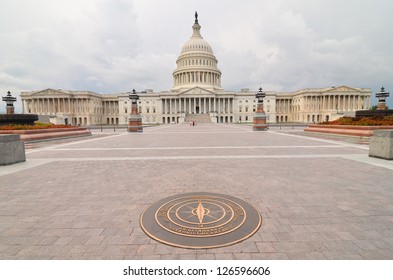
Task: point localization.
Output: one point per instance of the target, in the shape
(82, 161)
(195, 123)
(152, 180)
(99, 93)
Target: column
(359, 104)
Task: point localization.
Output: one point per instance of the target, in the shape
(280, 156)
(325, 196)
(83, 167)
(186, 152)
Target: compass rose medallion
(200, 220)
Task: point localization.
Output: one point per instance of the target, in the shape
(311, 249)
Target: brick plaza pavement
(81, 199)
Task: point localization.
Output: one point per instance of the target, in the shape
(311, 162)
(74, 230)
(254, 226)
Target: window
(154, 110)
(125, 110)
(148, 110)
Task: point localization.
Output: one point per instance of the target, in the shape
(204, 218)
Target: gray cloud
(113, 46)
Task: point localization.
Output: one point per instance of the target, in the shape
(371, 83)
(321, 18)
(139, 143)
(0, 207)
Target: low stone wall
(50, 133)
(12, 150)
(350, 130)
(381, 144)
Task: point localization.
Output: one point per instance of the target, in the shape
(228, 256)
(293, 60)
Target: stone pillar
(12, 150)
(381, 144)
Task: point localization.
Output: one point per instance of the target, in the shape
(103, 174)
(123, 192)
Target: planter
(48, 133)
(350, 130)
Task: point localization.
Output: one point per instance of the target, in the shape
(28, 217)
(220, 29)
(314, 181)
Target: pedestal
(10, 110)
(135, 123)
(259, 119)
(382, 106)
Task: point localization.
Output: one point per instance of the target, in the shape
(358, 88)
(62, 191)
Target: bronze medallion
(200, 220)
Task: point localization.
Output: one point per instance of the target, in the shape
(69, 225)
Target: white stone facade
(196, 91)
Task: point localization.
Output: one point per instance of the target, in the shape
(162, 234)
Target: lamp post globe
(260, 95)
(134, 97)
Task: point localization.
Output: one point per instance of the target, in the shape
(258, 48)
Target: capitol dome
(196, 64)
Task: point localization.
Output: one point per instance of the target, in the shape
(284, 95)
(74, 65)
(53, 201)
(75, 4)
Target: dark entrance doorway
(197, 109)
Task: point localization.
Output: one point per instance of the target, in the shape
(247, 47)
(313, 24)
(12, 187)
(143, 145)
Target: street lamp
(9, 100)
(260, 116)
(260, 96)
(135, 119)
(382, 95)
(134, 98)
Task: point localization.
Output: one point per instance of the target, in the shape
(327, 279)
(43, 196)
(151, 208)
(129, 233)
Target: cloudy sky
(111, 46)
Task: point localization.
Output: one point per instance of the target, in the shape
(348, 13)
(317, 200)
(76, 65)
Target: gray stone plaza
(82, 198)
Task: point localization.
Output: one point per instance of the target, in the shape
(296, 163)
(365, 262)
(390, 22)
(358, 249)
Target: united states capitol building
(196, 95)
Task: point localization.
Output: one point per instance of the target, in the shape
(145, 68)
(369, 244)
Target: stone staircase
(199, 118)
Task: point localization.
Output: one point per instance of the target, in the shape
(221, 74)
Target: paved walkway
(319, 198)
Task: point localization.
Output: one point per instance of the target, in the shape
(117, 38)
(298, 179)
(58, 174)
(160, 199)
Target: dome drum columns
(135, 119)
(260, 116)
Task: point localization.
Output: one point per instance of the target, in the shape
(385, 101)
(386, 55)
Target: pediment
(342, 89)
(196, 91)
(49, 91)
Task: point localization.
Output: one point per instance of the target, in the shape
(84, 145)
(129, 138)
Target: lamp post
(260, 116)
(134, 119)
(382, 95)
(9, 100)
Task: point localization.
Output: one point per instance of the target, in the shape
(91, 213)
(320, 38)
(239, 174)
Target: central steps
(198, 118)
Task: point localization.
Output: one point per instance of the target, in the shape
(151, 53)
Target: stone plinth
(135, 123)
(259, 119)
(259, 122)
(381, 144)
(12, 150)
(10, 110)
(382, 106)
